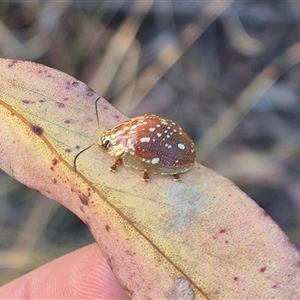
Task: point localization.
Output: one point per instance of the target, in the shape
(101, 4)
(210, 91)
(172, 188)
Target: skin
(82, 274)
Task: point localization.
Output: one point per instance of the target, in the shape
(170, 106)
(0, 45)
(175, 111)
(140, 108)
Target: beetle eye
(106, 144)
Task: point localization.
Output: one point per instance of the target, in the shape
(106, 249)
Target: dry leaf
(201, 238)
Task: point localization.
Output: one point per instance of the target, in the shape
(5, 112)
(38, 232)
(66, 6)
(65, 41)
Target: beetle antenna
(75, 158)
(96, 109)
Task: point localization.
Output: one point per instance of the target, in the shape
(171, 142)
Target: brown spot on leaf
(223, 230)
(37, 130)
(235, 278)
(107, 228)
(84, 200)
(59, 104)
(68, 150)
(75, 83)
(54, 161)
(67, 121)
(54, 180)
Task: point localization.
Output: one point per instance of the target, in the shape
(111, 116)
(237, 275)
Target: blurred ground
(227, 72)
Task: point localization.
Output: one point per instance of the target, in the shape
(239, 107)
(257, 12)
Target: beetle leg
(116, 164)
(177, 177)
(145, 176)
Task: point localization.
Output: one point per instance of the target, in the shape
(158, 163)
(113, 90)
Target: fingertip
(82, 274)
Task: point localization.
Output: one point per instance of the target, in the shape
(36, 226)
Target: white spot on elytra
(152, 129)
(157, 125)
(169, 147)
(181, 146)
(167, 136)
(145, 140)
(155, 160)
(158, 134)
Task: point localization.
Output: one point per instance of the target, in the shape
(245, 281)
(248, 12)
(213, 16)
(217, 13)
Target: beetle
(152, 144)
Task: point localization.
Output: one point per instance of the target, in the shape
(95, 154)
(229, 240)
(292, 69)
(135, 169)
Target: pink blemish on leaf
(84, 200)
(12, 63)
(27, 101)
(262, 270)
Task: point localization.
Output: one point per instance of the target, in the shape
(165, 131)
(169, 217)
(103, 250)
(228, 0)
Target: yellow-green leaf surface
(201, 238)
